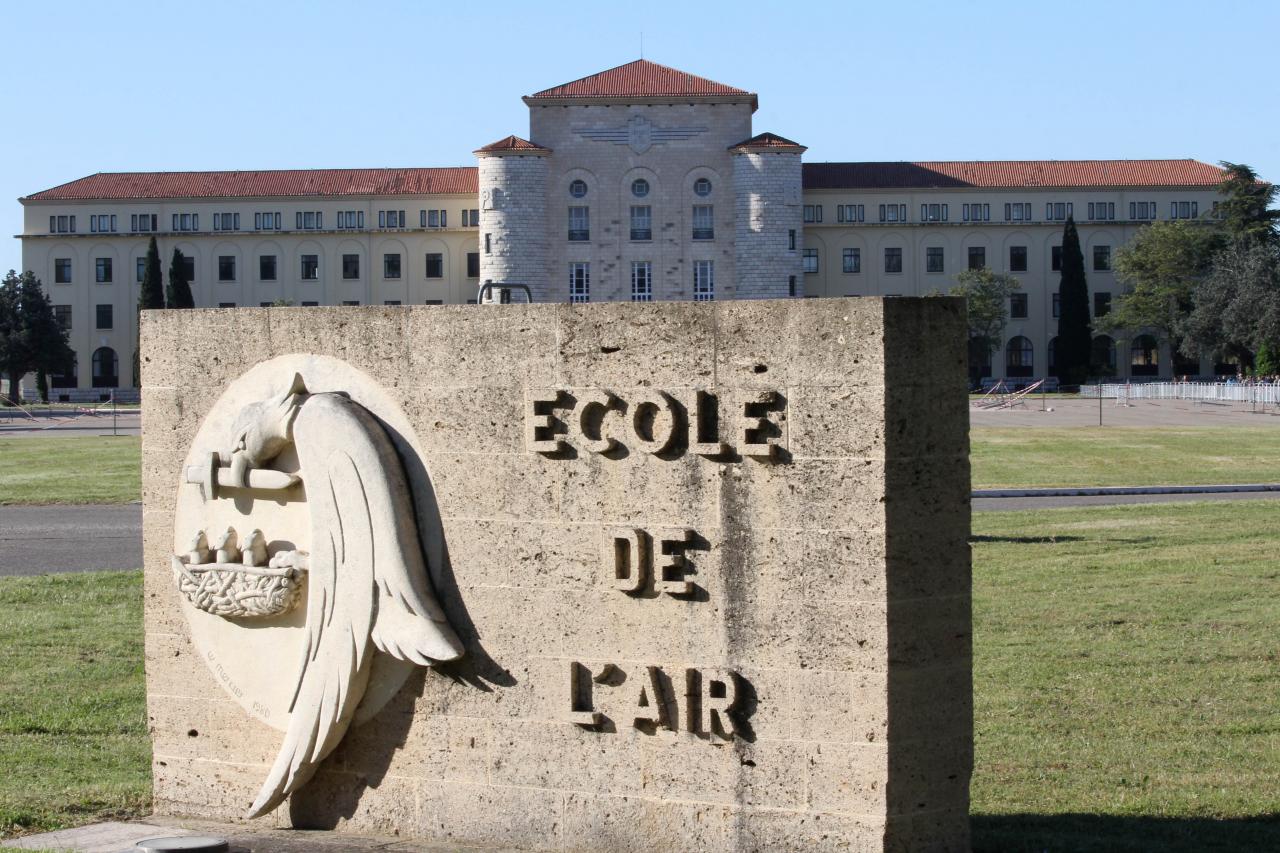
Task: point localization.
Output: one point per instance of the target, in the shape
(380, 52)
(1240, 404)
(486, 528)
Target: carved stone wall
(709, 563)
(513, 212)
(767, 187)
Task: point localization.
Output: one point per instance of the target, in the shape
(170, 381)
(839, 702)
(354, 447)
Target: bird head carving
(264, 429)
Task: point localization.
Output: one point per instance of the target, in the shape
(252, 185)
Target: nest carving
(229, 580)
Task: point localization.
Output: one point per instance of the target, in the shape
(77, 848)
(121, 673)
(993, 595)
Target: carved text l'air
(655, 422)
(697, 701)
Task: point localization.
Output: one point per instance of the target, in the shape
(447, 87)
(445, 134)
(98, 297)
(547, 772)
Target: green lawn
(1127, 678)
(73, 723)
(80, 470)
(1123, 456)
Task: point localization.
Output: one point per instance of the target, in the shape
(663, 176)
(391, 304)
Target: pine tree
(152, 293)
(1075, 336)
(178, 293)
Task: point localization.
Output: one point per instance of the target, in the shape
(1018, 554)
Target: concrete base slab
(119, 837)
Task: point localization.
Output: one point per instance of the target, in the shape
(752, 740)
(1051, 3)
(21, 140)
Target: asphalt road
(37, 540)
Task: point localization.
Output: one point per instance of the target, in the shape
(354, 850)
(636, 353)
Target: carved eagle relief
(367, 586)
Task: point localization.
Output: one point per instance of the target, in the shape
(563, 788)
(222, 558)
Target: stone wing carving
(367, 583)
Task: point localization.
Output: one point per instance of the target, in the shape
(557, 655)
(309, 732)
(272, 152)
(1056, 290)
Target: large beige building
(641, 183)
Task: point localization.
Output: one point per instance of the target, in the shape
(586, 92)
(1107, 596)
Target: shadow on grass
(1091, 833)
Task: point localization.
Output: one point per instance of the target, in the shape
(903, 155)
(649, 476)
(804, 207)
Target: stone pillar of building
(769, 236)
(513, 210)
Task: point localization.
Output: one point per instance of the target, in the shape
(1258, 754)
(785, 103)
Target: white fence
(1261, 393)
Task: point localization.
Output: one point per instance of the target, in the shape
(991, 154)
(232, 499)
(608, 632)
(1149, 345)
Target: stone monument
(567, 577)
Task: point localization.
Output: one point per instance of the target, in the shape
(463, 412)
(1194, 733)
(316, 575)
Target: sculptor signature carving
(366, 578)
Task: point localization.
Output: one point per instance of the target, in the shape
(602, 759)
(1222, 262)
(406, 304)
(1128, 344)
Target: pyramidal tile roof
(639, 79)
(768, 141)
(1011, 173)
(263, 184)
(510, 143)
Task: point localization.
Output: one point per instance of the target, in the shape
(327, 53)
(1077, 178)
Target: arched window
(105, 372)
(66, 378)
(1144, 356)
(1053, 356)
(1102, 357)
(1018, 358)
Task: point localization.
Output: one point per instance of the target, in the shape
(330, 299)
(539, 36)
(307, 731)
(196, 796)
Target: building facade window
(144, 222)
(1019, 359)
(226, 222)
(267, 268)
(391, 265)
(1102, 210)
(704, 227)
(1102, 258)
(893, 213)
(1103, 355)
(351, 219)
(1057, 210)
(933, 213)
(1018, 306)
(579, 282)
(1057, 312)
(350, 266)
(186, 222)
(310, 268)
(641, 281)
(266, 221)
(310, 220)
(810, 259)
(851, 212)
(578, 188)
(62, 313)
(976, 213)
(893, 260)
(1017, 212)
(226, 305)
(1101, 304)
(189, 268)
(579, 223)
(639, 188)
(704, 278)
(102, 272)
(103, 223)
(977, 257)
(62, 270)
(435, 265)
(1017, 259)
(473, 264)
(62, 225)
(813, 213)
(934, 260)
(351, 302)
(791, 240)
(470, 218)
(104, 317)
(1143, 210)
(1055, 259)
(226, 267)
(851, 261)
(105, 367)
(702, 187)
(1144, 356)
(1184, 209)
(641, 222)
(390, 218)
(435, 219)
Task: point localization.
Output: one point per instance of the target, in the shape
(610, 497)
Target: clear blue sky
(135, 86)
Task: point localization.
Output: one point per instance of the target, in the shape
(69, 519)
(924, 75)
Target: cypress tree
(178, 293)
(1075, 336)
(152, 293)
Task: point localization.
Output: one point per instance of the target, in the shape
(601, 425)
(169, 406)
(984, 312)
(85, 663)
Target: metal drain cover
(185, 843)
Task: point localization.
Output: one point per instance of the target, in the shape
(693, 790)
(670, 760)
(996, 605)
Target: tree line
(1210, 286)
(33, 340)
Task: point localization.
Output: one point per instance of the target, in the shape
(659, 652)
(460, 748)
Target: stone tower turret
(769, 223)
(513, 213)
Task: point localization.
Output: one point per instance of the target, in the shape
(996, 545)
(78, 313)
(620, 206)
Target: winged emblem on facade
(366, 585)
(639, 133)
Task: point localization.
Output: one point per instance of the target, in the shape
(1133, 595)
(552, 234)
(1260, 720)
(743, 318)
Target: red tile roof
(641, 78)
(290, 182)
(768, 141)
(1011, 173)
(511, 143)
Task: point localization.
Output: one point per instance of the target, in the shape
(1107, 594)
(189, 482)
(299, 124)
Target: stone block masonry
(709, 563)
